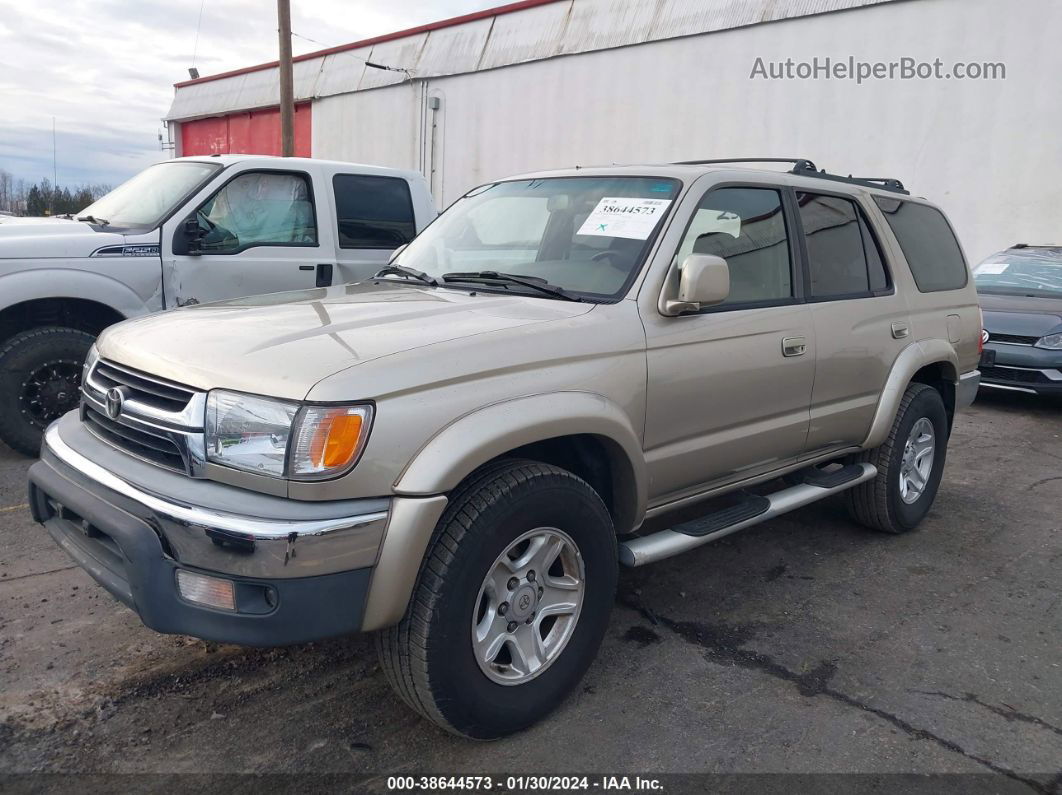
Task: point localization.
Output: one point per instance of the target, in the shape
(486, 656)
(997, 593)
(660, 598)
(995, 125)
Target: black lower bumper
(1022, 369)
(113, 539)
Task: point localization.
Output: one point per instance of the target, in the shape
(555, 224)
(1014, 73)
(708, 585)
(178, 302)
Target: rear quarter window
(928, 244)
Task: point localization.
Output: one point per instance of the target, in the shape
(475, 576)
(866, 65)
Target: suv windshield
(584, 235)
(147, 198)
(1035, 272)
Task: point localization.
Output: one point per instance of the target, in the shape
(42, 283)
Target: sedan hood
(39, 238)
(282, 344)
(1020, 315)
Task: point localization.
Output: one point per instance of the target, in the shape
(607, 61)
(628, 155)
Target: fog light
(209, 591)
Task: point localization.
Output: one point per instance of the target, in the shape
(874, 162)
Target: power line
(407, 72)
(198, 25)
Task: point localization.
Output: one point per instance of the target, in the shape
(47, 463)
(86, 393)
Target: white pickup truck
(186, 231)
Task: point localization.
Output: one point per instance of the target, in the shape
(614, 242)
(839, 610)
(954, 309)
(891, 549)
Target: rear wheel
(40, 380)
(511, 603)
(910, 464)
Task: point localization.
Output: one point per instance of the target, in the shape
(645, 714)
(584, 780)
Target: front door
(729, 388)
(258, 233)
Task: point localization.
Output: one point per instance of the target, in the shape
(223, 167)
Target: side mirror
(396, 252)
(192, 234)
(704, 280)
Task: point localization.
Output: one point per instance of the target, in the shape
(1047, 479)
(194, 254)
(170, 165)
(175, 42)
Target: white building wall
(988, 152)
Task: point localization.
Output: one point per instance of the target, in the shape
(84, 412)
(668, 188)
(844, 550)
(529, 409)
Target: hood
(284, 343)
(38, 238)
(1021, 315)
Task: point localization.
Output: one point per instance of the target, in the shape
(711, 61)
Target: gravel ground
(805, 645)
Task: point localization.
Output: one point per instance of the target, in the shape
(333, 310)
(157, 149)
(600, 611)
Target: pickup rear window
(373, 212)
(928, 244)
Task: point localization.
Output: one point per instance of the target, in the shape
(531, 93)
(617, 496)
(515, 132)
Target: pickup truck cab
(186, 231)
(459, 452)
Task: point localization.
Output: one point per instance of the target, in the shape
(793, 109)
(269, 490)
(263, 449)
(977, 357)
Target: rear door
(258, 232)
(374, 216)
(729, 387)
(861, 321)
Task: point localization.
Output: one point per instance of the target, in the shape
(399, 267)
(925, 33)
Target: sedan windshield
(147, 198)
(1027, 271)
(581, 236)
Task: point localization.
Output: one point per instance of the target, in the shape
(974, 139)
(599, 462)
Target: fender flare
(486, 433)
(912, 359)
(62, 282)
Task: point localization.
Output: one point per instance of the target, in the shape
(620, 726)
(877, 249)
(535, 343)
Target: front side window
(258, 209)
(151, 195)
(746, 227)
(373, 212)
(843, 257)
(928, 244)
(586, 235)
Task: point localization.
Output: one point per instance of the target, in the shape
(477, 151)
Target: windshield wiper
(412, 273)
(493, 277)
(94, 220)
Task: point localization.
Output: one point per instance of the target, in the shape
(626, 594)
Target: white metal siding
(952, 141)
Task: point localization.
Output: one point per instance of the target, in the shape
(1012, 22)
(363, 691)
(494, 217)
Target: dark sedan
(1021, 296)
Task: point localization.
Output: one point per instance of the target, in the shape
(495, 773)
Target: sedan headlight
(281, 438)
(1053, 342)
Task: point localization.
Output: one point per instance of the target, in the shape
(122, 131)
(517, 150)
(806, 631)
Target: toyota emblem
(114, 402)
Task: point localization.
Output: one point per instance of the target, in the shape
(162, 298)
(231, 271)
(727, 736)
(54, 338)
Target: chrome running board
(651, 548)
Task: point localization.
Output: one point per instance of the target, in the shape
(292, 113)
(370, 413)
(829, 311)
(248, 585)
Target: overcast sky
(105, 69)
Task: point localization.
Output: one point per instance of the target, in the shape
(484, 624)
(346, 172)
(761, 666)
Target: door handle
(900, 331)
(324, 274)
(794, 346)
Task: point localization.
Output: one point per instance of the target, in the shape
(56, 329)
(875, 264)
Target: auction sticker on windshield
(624, 217)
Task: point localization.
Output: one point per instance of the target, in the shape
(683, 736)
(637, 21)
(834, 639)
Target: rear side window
(843, 256)
(927, 242)
(373, 212)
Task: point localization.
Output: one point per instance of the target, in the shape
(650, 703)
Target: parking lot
(805, 645)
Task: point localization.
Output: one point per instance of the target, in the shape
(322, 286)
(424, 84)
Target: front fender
(482, 435)
(62, 281)
(913, 358)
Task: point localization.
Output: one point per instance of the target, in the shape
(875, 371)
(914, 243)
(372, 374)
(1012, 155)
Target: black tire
(877, 504)
(25, 356)
(428, 656)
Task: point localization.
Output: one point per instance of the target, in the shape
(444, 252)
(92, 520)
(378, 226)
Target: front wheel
(910, 464)
(40, 380)
(511, 603)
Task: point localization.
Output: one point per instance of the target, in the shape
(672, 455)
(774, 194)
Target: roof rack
(804, 167)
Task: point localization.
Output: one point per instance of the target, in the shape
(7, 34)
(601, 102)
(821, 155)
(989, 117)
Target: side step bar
(651, 548)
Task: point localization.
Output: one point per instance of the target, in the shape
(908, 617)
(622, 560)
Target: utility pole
(287, 89)
(55, 172)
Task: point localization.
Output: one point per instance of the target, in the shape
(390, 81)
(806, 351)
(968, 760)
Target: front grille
(157, 449)
(1014, 375)
(1012, 339)
(154, 392)
(159, 421)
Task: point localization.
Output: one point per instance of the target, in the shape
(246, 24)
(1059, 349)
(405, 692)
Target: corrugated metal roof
(526, 31)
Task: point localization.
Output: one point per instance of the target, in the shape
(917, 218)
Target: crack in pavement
(1006, 712)
(722, 643)
(36, 574)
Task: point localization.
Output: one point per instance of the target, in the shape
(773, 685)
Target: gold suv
(459, 452)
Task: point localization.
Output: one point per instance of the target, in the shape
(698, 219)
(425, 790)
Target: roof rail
(804, 167)
(882, 183)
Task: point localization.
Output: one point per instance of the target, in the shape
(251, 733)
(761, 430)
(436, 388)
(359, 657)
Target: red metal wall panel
(252, 133)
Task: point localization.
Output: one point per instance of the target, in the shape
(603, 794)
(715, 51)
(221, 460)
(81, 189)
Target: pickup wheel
(910, 464)
(511, 602)
(40, 380)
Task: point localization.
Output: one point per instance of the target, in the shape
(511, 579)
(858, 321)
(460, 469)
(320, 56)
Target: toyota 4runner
(459, 452)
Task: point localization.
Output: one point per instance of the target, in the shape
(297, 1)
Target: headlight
(91, 358)
(248, 433)
(1053, 342)
(284, 439)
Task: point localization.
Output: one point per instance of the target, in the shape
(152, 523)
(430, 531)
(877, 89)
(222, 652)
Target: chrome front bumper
(256, 542)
